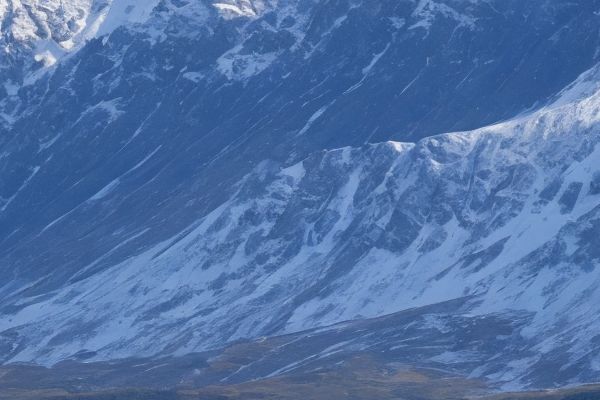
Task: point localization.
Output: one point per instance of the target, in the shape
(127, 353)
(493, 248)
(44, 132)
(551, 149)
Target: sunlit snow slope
(204, 171)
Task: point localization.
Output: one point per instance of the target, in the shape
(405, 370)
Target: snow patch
(106, 190)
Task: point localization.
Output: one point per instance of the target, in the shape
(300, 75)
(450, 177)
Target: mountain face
(178, 175)
(505, 215)
(35, 34)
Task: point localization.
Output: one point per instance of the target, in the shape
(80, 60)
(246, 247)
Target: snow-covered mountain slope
(508, 214)
(42, 32)
(35, 34)
(61, 25)
(162, 111)
(201, 173)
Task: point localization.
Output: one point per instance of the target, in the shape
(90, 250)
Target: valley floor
(360, 384)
